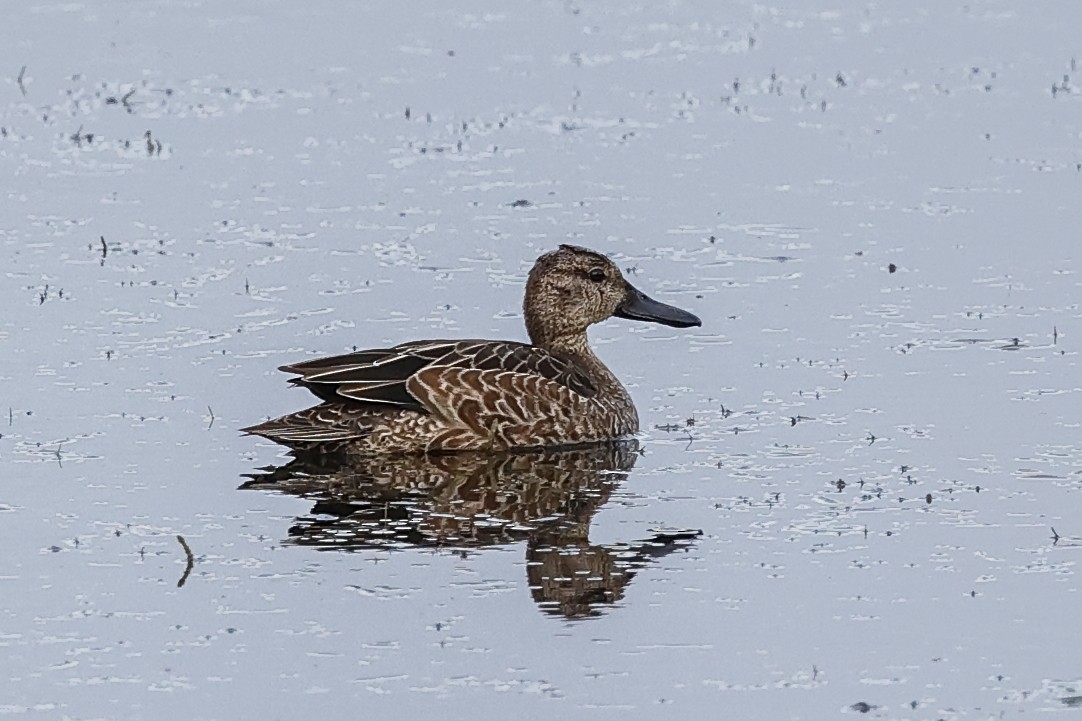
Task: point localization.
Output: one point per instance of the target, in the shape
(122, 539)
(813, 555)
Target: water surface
(873, 209)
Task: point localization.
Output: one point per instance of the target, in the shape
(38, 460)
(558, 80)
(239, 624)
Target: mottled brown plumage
(443, 396)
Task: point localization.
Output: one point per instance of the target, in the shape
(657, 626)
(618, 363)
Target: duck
(448, 396)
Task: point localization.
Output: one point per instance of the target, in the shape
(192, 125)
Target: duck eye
(596, 275)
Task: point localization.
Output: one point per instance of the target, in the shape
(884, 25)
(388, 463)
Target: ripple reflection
(472, 501)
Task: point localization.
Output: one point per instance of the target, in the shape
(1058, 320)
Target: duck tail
(325, 423)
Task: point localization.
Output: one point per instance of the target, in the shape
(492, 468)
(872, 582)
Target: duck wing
(392, 377)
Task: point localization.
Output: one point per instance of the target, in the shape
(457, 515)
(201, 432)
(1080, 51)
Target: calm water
(858, 485)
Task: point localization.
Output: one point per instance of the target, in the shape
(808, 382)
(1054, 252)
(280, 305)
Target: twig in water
(1055, 536)
(191, 561)
(22, 74)
(211, 412)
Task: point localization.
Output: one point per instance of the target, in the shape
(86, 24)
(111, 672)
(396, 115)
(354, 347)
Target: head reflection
(468, 501)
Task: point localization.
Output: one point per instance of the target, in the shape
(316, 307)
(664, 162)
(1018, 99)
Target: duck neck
(570, 344)
(577, 346)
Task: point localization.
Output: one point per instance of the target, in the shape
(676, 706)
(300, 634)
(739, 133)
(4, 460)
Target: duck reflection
(470, 501)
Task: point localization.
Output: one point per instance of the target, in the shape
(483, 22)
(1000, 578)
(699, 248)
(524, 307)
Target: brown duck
(441, 396)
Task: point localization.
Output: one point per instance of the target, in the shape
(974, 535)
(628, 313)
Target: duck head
(572, 288)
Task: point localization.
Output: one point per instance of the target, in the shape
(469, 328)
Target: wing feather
(385, 376)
